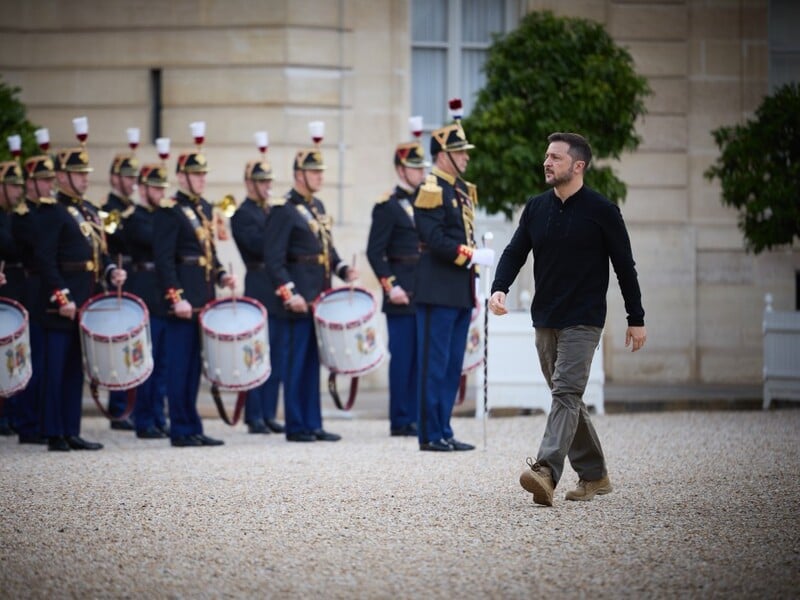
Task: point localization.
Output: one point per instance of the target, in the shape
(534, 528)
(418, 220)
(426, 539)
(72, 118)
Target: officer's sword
(487, 286)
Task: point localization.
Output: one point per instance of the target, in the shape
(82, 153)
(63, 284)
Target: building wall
(707, 63)
(247, 65)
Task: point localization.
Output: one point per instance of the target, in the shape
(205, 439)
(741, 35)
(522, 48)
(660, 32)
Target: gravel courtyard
(706, 504)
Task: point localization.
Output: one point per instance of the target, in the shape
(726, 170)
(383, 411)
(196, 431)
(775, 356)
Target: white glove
(482, 256)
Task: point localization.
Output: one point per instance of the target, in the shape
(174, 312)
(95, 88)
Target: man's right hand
(497, 303)
(68, 310)
(297, 304)
(183, 310)
(398, 296)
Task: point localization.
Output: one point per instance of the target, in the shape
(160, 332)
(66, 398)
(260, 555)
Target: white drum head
(11, 319)
(345, 306)
(110, 316)
(225, 318)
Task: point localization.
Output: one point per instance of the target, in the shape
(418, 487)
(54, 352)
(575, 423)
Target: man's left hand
(636, 336)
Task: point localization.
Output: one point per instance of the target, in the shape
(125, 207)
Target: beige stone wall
(707, 63)
(245, 65)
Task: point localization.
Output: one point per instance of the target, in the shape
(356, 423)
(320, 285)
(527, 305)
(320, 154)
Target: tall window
(449, 40)
(784, 43)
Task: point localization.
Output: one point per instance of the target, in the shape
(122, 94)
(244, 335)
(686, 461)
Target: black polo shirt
(572, 243)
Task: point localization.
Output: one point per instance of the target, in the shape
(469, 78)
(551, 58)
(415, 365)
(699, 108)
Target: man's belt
(410, 259)
(76, 267)
(255, 266)
(199, 261)
(307, 259)
(142, 267)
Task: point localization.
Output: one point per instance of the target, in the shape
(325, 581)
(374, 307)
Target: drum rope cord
(130, 402)
(351, 398)
(237, 409)
(462, 389)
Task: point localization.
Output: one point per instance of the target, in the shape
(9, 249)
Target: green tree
(13, 120)
(759, 169)
(551, 74)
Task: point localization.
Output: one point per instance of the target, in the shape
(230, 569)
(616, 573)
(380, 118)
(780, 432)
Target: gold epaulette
(384, 198)
(47, 200)
(167, 202)
(473, 192)
(128, 211)
(21, 209)
(430, 194)
(277, 201)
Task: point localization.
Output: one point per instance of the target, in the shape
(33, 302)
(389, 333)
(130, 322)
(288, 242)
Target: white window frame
(454, 45)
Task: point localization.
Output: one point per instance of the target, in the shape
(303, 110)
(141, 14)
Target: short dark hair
(579, 148)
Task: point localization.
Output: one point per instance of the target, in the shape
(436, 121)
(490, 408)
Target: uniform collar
(257, 202)
(183, 194)
(63, 195)
(126, 201)
(446, 176)
(298, 196)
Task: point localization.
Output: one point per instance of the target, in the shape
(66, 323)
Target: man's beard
(563, 179)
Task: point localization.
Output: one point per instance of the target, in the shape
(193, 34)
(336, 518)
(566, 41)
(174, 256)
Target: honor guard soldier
(122, 179)
(40, 176)
(11, 191)
(248, 224)
(187, 269)
(393, 254)
(300, 258)
(74, 260)
(148, 415)
(446, 281)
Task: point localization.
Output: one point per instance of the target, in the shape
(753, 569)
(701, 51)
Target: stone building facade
(247, 65)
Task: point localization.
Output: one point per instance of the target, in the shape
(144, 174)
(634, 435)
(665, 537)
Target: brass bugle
(227, 205)
(111, 220)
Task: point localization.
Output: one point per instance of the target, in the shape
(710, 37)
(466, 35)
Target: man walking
(573, 232)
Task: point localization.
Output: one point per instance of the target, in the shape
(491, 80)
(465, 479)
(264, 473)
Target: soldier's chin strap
(38, 191)
(149, 198)
(455, 167)
(72, 185)
(305, 182)
(190, 186)
(260, 196)
(404, 179)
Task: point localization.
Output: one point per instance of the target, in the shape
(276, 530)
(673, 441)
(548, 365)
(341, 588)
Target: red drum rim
(233, 337)
(337, 325)
(119, 385)
(22, 328)
(118, 337)
(238, 387)
(361, 371)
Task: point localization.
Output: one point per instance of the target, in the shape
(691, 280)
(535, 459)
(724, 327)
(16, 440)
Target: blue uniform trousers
(441, 342)
(63, 383)
(402, 370)
(117, 402)
(29, 402)
(149, 409)
(262, 402)
(301, 401)
(183, 383)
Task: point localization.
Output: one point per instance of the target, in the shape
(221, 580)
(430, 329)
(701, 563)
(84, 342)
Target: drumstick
(119, 285)
(352, 281)
(2, 265)
(233, 291)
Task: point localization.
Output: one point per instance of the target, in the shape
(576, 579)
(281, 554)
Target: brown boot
(587, 490)
(538, 480)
